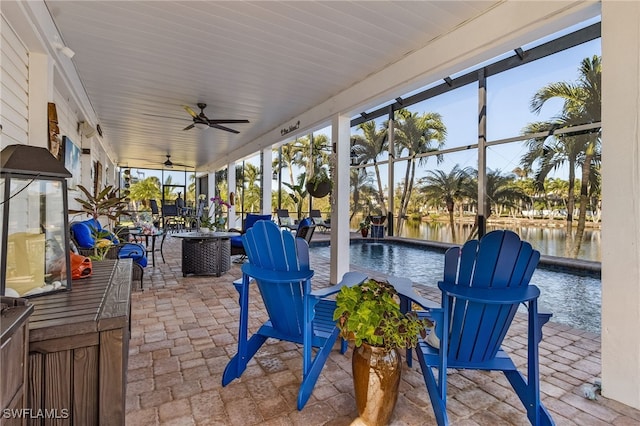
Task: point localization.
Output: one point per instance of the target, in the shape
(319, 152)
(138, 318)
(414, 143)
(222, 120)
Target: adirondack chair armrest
(274, 276)
(490, 295)
(348, 280)
(404, 287)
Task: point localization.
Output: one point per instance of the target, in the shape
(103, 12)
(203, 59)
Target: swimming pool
(574, 300)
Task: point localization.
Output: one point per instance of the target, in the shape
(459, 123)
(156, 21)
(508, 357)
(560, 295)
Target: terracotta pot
(364, 232)
(376, 378)
(322, 190)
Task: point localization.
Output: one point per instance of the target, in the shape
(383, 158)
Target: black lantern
(35, 238)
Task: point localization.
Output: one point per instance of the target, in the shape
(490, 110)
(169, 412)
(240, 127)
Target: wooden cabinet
(78, 350)
(13, 353)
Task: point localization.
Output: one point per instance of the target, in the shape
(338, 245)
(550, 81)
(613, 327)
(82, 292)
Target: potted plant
(364, 226)
(319, 185)
(206, 224)
(369, 314)
(220, 220)
(108, 202)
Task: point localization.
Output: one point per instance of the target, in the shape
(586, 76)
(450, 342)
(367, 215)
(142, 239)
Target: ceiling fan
(201, 121)
(169, 164)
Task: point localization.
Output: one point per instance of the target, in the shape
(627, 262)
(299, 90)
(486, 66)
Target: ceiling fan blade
(184, 165)
(218, 126)
(190, 126)
(227, 121)
(190, 111)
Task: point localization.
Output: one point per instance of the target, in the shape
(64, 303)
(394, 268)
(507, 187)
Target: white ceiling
(265, 61)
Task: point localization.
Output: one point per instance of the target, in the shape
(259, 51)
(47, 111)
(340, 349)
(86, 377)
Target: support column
(211, 183)
(483, 203)
(40, 93)
(267, 173)
(340, 233)
(621, 201)
(231, 185)
(391, 222)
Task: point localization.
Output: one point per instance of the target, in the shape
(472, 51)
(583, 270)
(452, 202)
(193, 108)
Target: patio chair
(484, 283)
(279, 265)
(82, 235)
(286, 221)
(237, 248)
(305, 230)
(317, 219)
(171, 220)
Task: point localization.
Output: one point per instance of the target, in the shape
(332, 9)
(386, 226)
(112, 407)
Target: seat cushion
(133, 251)
(251, 219)
(236, 241)
(82, 235)
(305, 222)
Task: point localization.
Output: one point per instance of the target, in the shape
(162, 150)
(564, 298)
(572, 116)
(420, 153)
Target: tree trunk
(584, 186)
(451, 222)
(570, 207)
(380, 191)
(404, 196)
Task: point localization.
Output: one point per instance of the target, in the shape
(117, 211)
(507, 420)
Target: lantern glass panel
(36, 255)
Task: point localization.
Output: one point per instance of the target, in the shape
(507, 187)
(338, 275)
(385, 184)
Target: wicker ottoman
(206, 256)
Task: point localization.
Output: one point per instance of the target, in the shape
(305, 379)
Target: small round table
(206, 253)
(137, 233)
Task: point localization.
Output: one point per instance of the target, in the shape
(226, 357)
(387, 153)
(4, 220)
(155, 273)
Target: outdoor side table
(206, 253)
(138, 234)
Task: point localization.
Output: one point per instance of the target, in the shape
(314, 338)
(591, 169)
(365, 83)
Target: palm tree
(167, 190)
(145, 190)
(582, 105)
(556, 189)
(447, 188)
(501, 191)
(550, 153)
(251, 193)
(293, 154)
(368, 148)
(360, 183)
(416, 134)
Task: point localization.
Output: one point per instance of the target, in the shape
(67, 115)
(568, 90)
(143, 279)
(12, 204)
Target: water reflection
(573, 300)
(549, 241)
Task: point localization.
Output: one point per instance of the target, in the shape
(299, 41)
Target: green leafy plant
(206, 222)
(109, 202)
(298, 193)
(102, 244)
(365, 224)
(319, 177)
(370, 313)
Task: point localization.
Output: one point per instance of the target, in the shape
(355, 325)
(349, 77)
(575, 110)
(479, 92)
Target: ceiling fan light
(200, 125)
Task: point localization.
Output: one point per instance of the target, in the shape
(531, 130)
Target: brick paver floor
(184, 331)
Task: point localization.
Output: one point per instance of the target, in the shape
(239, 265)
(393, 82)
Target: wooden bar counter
(78, 349)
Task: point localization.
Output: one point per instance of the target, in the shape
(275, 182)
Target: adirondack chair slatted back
(269, 248)
(500, 260)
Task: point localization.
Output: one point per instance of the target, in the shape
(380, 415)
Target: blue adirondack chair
(279, 264)
(484, 283)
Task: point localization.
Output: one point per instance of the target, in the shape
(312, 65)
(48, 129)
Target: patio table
(206, 253)
(137, 233)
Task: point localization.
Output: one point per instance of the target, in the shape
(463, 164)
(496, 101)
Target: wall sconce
(66, 51)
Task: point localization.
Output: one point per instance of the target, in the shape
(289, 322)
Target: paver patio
(184, 332)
